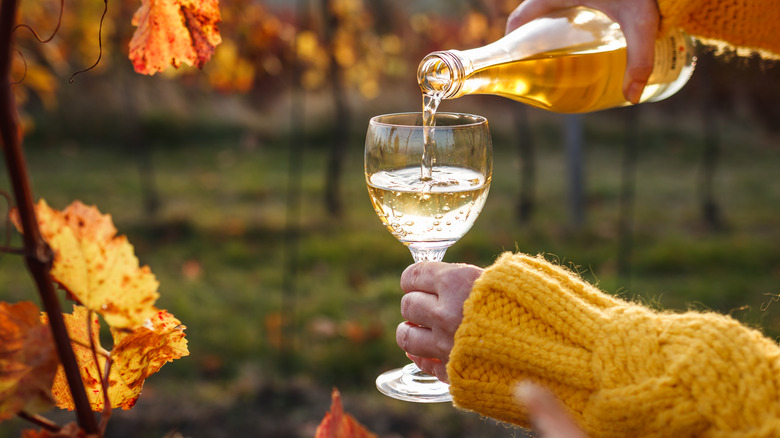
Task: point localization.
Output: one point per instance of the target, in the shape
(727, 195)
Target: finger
(419, 341)
(530, 9)
(548, 415)
(421, 276)
(439, 277)
(639, 21)
(418, 308)
(434, 367)
(640, 30)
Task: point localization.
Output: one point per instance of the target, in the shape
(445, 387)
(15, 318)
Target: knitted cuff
(525, 319)
(619, 368)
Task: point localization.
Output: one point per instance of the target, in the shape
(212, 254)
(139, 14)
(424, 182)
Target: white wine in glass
(427, 184)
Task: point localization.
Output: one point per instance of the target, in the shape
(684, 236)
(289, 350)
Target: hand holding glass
(426, 207)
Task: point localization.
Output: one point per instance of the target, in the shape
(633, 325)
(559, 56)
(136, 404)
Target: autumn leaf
(337, 424)
(28, 360)
(142, 352)
(98, 268)
(137, 354)
(100, 271)
(171, 32)
(118, 394)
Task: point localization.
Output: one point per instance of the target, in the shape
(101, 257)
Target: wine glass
(428, 197)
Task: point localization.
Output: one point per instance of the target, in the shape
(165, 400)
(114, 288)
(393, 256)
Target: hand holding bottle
(570, 60)
(638, 19)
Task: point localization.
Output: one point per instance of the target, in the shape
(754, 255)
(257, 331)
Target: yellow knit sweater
(752, 25)
(621, 369)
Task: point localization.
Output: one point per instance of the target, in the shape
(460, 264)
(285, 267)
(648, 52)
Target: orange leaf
(170, 32)
(138, 353)
(338, 424)
(96, 267)
(28, 360)
(142, 352)
(119, 395)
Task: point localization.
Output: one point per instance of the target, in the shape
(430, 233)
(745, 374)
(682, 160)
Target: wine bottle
(572, 61)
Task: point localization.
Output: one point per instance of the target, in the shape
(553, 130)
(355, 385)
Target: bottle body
(570, 62)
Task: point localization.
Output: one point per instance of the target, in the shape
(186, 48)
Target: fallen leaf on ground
(338, 424)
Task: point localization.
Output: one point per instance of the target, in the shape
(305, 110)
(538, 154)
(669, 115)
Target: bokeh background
(241, 186)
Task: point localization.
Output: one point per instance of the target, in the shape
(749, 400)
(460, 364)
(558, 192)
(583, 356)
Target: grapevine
(78, 250)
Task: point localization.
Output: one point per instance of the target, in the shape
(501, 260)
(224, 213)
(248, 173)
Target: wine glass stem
(428, 254)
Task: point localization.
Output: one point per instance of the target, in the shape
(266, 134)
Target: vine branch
(44, 423)
(102, 375)
(38, 255)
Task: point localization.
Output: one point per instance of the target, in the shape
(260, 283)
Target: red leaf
(338, 424)
(174, 31)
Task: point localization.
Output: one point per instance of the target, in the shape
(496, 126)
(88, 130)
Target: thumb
(547, 414)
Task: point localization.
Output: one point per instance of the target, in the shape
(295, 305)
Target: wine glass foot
(411, 384)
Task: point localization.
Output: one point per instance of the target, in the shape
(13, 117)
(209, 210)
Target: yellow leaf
(100, 271)
(119, 395)
(142, 352)
(96, 267)
(137, 354)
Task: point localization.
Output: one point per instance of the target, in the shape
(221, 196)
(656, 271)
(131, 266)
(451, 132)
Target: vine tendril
(100, 44)
(37, 37)
(24, 71)
(35, 34)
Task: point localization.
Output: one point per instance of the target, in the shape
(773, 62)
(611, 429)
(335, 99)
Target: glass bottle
(572, 61)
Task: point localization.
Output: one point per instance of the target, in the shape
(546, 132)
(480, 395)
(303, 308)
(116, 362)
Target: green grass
(219, 248)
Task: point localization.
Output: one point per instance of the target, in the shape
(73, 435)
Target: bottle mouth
(440, 73)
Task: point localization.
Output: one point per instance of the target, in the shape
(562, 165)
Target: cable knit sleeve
(753, 25)
(620, 369)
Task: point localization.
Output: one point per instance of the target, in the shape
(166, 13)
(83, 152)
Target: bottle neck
(442, 73)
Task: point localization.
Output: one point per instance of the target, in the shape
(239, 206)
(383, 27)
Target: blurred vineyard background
(241, 187)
